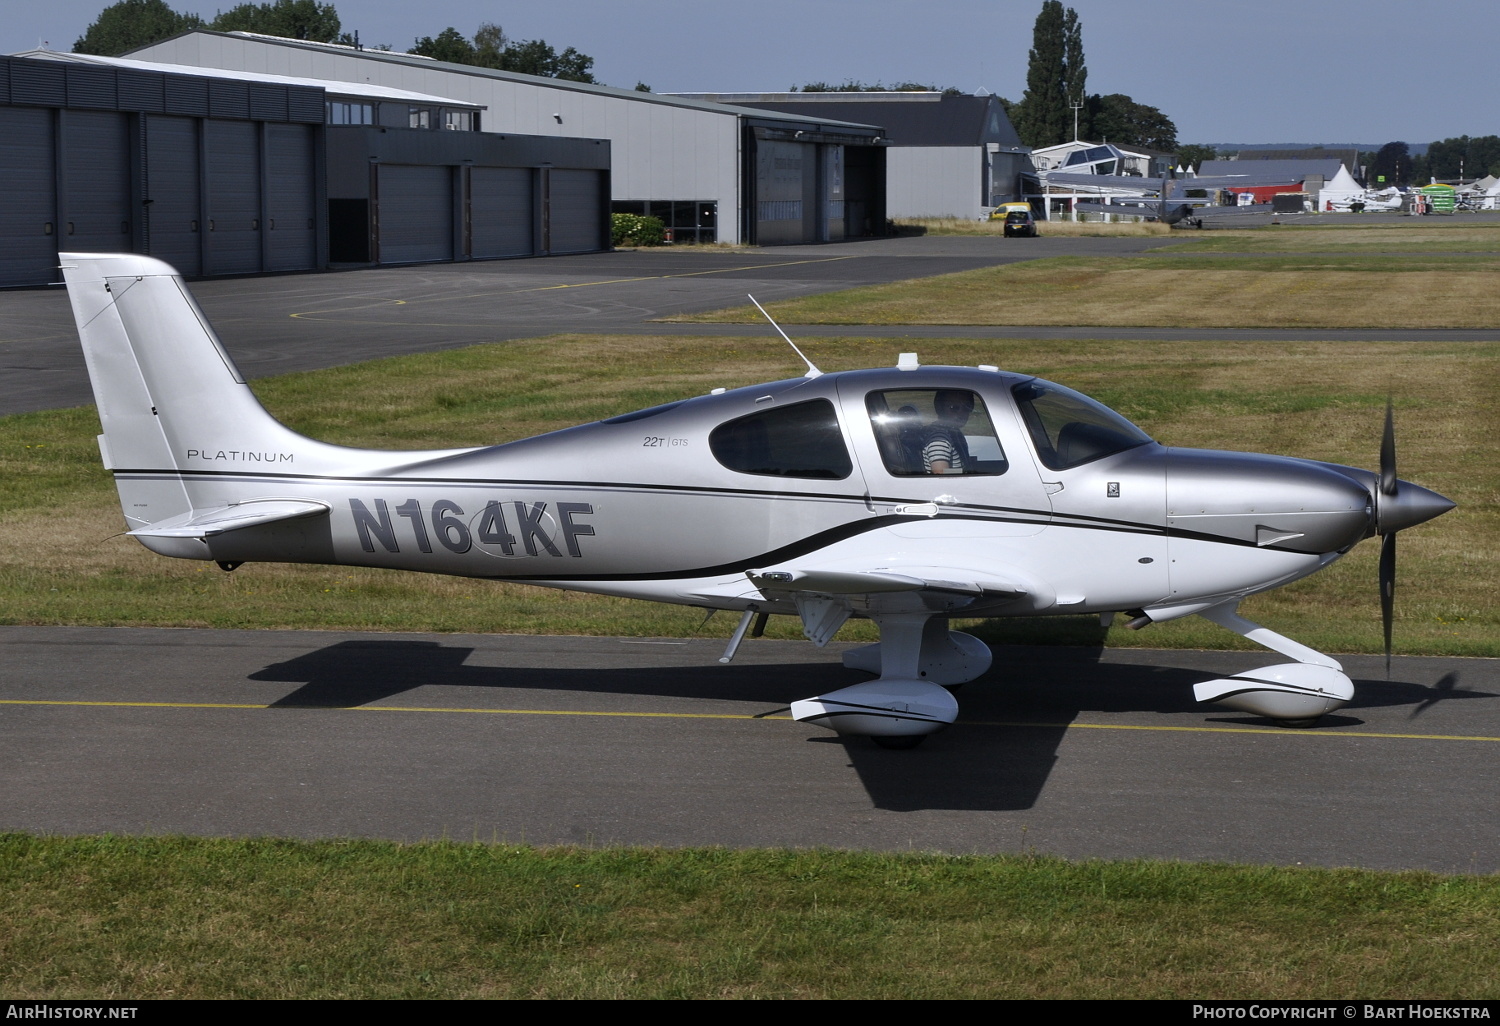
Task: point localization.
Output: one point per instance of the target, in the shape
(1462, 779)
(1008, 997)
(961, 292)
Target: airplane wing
(826, 598)
(206, 523)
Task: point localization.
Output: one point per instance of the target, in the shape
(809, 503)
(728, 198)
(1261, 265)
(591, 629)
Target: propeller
(1389, 484)
(1398, 505)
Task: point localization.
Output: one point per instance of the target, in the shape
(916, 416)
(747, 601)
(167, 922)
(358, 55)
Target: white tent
(1491, 198)
(1340, 191)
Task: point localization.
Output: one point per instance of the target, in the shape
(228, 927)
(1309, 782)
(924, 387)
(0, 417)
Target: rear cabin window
(801, 440)
(927, 431)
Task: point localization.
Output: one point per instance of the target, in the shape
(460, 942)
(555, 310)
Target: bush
(635, 230)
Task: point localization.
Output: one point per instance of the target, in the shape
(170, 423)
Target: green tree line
(131, 24)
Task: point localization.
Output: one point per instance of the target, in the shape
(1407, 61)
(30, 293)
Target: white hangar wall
(662, 150)
(935, 181)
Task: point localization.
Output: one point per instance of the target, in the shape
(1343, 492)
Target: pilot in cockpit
(945, 450)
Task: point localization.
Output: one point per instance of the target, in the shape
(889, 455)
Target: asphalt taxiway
(1079, 752)
(286, 323)
(1073, 751)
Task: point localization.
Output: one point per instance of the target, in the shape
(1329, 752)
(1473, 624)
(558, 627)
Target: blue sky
(1270, 71)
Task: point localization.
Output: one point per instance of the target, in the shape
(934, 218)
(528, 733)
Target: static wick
(812, 371)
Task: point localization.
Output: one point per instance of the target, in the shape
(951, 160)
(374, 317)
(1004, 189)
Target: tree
(1044, 115)
(491, 49)
(1075, 74)
(1194, 156)
(1392, 163)
(1118, 119)
(293, 19)
(449, 45)
(1464, 156)
(131, 24)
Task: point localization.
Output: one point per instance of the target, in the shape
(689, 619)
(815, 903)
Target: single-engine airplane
(906, 494)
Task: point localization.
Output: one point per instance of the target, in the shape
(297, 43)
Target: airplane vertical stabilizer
(178, 418)
(163, 382)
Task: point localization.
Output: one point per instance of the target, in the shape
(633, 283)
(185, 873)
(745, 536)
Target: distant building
(231, 173)
(947, 155)
(1081, 157)
(1348, 157)
(713, 173)
(1266, 178)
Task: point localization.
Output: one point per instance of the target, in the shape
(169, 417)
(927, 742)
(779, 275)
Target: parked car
(998, 214)
(1020, 222)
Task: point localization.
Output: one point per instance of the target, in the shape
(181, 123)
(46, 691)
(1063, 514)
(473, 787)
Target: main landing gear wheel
(899, 742)
(1311, 721)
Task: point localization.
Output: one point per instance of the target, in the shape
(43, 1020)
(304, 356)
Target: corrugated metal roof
(909, 119)
(363, 90)
(1269, 170)
(427, 63)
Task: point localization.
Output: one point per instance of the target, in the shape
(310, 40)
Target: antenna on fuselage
(812, 371)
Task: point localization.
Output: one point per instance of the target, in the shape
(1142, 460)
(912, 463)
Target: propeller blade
(1388, 454)
(1387, 592)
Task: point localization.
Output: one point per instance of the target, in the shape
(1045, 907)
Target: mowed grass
(64, 560)
(1420, 235)
(143, 918)
(1303, 290)
(1059, 229)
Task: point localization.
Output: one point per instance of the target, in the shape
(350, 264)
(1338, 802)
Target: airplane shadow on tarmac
(997, 757)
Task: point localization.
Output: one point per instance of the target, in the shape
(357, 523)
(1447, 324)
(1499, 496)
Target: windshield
(1017, 217)
(1068, 428)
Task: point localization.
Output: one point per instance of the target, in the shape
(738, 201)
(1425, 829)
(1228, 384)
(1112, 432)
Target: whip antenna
(812, 371)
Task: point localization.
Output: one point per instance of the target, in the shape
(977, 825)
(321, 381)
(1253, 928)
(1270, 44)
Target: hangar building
(714, 173)
(949, 156)
(222, 174)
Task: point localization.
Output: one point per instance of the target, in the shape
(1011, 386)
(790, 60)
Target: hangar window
(801, 440)
(341, 113)
(687, 220)
(924, 431)
(418, 117)
(458, 120)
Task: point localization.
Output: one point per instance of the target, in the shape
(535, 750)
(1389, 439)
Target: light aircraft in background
(907, 495)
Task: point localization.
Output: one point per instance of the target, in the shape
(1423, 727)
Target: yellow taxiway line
(1268, 731)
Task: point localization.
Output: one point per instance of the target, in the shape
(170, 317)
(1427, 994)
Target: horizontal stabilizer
(205, 523)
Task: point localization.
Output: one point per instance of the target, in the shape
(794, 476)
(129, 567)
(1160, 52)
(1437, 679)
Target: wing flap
(883, 580)
(206, 523)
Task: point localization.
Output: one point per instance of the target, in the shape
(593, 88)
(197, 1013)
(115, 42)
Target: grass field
(142, 918)
(1056, 229)
(178, 918)
(1427, 235)
(64, 561)
(1302, 290)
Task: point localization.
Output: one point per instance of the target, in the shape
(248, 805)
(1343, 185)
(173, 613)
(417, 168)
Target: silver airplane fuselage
(907, 495)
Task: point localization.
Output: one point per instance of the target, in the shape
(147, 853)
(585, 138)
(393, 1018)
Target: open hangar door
(802, 185)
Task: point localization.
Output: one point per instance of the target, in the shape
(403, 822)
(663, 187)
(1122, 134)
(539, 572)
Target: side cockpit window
(801, 440)
(923, 431)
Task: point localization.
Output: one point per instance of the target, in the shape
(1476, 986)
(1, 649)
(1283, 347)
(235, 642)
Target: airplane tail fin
(189, 445)
(170, 398)
(158, 371)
